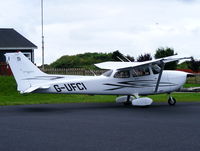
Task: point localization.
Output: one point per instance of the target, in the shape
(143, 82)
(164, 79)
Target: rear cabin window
(122, 74)
(137, 72)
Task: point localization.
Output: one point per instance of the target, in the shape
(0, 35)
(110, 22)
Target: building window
(27, 54)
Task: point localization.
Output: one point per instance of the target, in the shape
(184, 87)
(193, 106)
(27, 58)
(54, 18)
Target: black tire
(171, 101)
(128, 103)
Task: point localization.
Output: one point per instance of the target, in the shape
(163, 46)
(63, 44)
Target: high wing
(131, 65)
(128, 65)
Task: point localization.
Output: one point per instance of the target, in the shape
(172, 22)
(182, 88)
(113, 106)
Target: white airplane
(132, 79)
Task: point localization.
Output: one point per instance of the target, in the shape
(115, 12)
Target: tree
(165, 52)
(116, 56)
(144, 57)
(130, 58)
(85, 60)
(194, 65)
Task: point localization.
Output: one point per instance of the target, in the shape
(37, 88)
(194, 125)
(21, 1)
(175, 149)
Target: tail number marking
(70, 87)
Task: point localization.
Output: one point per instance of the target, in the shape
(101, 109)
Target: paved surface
(100, 127)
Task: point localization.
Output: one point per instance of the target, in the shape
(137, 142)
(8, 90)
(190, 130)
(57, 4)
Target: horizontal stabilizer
(33, 88)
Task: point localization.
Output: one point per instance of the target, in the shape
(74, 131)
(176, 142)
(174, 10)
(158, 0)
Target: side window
(137, 72)
(156, 69)
(122, 74)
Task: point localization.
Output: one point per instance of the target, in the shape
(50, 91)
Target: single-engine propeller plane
(130, 79)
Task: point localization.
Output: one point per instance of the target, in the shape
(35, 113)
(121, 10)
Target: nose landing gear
(171, 101)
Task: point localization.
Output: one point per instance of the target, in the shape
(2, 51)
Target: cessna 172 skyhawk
(122, 78)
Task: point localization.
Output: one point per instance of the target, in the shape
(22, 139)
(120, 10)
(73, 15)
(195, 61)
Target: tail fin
(23, 70)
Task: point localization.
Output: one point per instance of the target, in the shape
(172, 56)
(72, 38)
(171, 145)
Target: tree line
(87, 60)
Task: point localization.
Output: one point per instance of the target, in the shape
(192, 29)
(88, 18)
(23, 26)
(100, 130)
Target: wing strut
(159, 76)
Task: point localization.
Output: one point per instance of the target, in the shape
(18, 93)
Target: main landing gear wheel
(171, 101)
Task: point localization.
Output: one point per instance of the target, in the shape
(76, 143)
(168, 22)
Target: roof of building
(11, 39)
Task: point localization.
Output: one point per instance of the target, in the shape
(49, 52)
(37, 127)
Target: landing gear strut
(171, 101)
(128, 102)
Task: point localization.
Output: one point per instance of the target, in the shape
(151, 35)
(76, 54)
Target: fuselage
(110, 84)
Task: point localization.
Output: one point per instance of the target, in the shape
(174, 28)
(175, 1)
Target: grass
(180, 97)
(188, 85)
(10, 96)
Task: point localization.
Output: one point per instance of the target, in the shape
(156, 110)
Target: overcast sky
(132, 26)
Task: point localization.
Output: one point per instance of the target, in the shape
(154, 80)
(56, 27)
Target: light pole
(42, 34)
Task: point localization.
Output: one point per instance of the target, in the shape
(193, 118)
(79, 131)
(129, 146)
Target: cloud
(133, 27)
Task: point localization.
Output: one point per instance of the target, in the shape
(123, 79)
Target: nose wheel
(171, 101)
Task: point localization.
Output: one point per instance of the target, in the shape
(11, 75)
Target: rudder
(23, 70)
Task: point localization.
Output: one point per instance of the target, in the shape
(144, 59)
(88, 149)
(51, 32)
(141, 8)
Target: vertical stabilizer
(23, 70)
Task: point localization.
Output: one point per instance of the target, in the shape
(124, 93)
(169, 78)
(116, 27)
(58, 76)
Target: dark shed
(12, 41)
